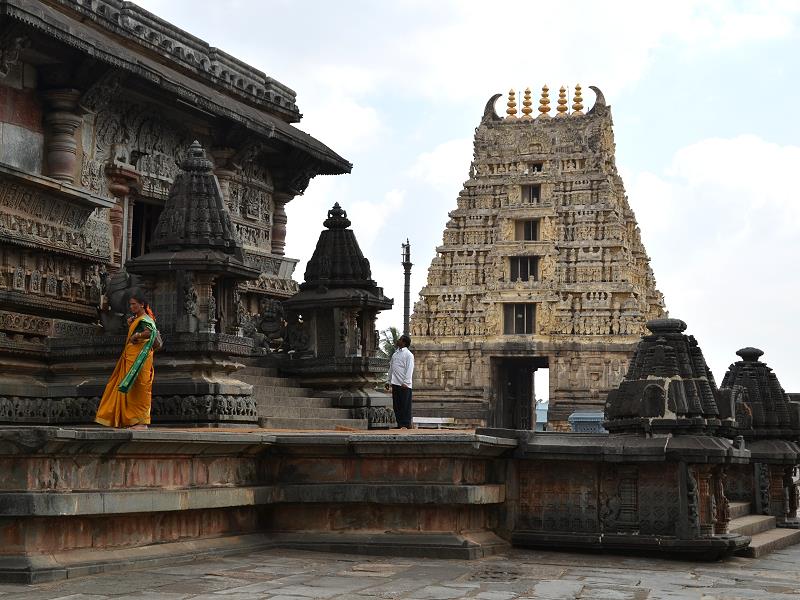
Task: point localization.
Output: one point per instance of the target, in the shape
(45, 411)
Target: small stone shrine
(769, 422)
(192, 272)
(331, 332)
(656, 481)
(541, 266)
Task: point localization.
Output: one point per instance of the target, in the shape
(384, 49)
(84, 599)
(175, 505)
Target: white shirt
(401, 367)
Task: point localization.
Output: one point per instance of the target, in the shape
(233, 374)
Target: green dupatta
(133, 373)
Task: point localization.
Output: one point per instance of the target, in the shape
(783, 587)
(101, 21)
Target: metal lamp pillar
(407, 264)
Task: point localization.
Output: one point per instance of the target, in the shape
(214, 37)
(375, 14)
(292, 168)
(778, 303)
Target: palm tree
(388, 339)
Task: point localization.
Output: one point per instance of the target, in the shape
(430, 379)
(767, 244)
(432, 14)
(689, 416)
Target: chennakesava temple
(135, 157)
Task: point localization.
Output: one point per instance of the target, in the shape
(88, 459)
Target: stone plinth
(81, 500)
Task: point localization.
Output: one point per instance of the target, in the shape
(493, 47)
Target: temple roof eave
(212, 262)
(338, 298)
(190, 91)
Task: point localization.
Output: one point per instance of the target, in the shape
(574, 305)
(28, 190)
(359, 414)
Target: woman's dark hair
(139, 296)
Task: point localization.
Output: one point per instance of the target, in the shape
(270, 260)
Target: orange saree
(128, 394)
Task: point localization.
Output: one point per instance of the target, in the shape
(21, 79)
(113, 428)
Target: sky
(703, 95)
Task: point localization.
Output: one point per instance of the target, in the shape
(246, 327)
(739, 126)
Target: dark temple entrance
(514, 390)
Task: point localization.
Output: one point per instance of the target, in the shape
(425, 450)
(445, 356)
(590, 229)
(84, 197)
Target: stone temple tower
(541, 266)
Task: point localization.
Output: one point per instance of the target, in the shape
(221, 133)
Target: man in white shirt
(401, 371)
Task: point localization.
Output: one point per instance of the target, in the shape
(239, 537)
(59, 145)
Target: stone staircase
(765, 536)
(283, 404)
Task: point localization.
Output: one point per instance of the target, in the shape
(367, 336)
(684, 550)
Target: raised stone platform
(81, 500)
(75, 501)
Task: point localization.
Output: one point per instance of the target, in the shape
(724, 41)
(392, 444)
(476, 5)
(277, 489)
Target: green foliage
(388, 339)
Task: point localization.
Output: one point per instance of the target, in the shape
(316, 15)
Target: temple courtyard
(516, 574)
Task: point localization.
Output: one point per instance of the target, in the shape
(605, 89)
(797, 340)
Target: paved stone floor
(518, 574)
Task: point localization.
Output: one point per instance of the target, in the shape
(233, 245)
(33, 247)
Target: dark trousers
(401, 402)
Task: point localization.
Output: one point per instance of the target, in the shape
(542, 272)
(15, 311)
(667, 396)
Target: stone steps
(324, 424)
(299, 402)
(751, 524)
(770, 541)
(292, 412)
(281, 403)
(739, 509)
(273, 391)
(262, 380)
(259, 371)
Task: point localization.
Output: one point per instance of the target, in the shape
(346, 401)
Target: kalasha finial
(511, 111)
(337, 218)
(577, 101)
(544, 103)
(750, 354)
(195, 159)
(562, 102)
(526, 105)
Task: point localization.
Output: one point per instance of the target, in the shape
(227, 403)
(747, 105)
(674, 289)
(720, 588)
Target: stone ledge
(54, 504)
(712, 548)
(461, 545)
(78, 563)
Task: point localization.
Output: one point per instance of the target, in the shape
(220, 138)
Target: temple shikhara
(541, 266)
(135, 159)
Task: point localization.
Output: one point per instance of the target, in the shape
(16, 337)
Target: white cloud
(446, 166)
(342, 122)
(373, 219)
(722, 228)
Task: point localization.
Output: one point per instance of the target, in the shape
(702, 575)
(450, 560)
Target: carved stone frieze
(210, 407)
(30, 216)
(9, 53)
(20, 409)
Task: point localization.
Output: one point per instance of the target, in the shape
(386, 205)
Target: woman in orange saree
(127, 397)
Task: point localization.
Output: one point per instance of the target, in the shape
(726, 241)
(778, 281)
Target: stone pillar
(224, 171)
(723, 512)
(706, 501)
(778, 494)
(121, 180)
(279, 221)
(61, 120)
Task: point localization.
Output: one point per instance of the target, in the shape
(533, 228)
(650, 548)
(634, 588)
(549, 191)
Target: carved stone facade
(99, 102)
(542, 259)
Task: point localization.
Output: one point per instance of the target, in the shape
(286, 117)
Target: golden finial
(577, 101)
(544, 103)
(526, 104)
(511, 111)
(562, 102)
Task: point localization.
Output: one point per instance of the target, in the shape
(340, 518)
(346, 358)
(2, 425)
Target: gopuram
(541, 266)
(101, 104)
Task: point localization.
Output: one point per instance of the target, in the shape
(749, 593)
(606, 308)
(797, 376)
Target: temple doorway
(516, 392)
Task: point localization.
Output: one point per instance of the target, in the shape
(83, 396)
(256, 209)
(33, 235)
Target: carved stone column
(224, 171)
(279, 221)
(121, 180)
(61, 120)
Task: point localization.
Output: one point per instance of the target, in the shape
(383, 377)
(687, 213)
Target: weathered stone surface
(91, 142)
(668, 388)
(95, 493)
(542, 259)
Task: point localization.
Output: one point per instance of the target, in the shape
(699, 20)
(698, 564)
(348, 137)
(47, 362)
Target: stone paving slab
(515, 575)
